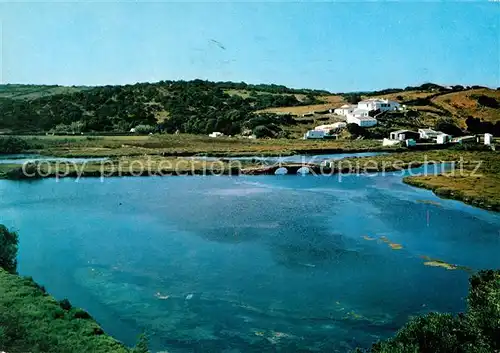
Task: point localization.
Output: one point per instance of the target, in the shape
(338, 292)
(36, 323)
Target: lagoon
(249, 263)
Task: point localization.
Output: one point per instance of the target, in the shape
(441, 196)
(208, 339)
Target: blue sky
(342, 46)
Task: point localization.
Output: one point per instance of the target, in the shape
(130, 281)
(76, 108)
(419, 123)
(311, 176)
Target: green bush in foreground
(476, 331)
(8, 249)
(32, 321)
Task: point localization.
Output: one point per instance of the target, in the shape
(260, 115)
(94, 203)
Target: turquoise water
(255, 263)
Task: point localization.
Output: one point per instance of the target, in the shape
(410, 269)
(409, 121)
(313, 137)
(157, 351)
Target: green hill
(186, 106)
(201, 107)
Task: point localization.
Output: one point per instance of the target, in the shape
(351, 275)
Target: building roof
(361, 110)
(402, 131)
(427, 130)
(365, 118)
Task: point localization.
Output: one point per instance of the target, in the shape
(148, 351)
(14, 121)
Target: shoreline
(482, 192)
(453, 194)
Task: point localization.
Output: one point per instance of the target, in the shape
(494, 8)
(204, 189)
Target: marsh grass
(188, 145)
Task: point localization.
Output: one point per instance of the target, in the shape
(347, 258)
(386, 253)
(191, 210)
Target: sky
(337, 46)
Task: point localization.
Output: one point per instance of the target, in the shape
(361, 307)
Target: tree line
(196, 106)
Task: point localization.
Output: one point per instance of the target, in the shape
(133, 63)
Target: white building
(339, 125)
(345, 109)
(388, 142)
(314, 134)
(427, 134)
(363, 121)
(488, 139)
(403, 135)
(376, 104)
(328, 127)
(442, 139)
(216, 134)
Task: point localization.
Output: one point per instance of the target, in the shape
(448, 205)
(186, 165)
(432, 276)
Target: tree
(8, 249)
(448, 128)
(476, 331)
(142, 344)
(355, 130)
(353, 98)
(487, 101)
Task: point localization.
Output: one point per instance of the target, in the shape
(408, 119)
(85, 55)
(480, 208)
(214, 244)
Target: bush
(65, 304)
(487, 101)
(355, 130)
(8, 249)
(11, 145)
(31, 321)
(478, 330)
(448, 127)
(262, 131)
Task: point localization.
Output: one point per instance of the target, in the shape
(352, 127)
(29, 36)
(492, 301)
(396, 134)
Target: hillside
(201, 107)
(36, 91)
(33, 321)
(197, 106)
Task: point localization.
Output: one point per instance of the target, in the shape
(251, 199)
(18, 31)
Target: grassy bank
(188, 145)
(33, 321)
(475, 179)
(123, 166)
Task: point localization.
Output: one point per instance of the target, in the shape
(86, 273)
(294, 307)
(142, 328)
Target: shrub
(478, 330)
(11, 145)
(487, 101)
(65, 304)
(448, 127)
(8, 249)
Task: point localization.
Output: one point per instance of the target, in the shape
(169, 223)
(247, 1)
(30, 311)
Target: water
(25, 158)
(255, 263)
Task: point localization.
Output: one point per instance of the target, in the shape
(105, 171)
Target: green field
(188, 145)
(475, 179)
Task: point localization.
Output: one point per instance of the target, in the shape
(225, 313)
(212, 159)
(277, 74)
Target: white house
(376, 104)
(328, 127)
(364, 121)
(345, 109)
(339, 125)
(488, 139)
(325, 128)
(388, 142)
(216, 134)
(403, 135)
(465, 139)
(428, 134)
(442, 139)
(314, 134)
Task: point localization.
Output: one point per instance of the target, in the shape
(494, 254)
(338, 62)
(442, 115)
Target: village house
(216, 134)
(360, 113)
(314, 134)
(345, 109)
(363, 121)
(428, 134)
(442, 139)
(378, 104)
(328, 127)
(402, 135)
(488, 139)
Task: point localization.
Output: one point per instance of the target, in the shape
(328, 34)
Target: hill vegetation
(197, 106)
(201, 107)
